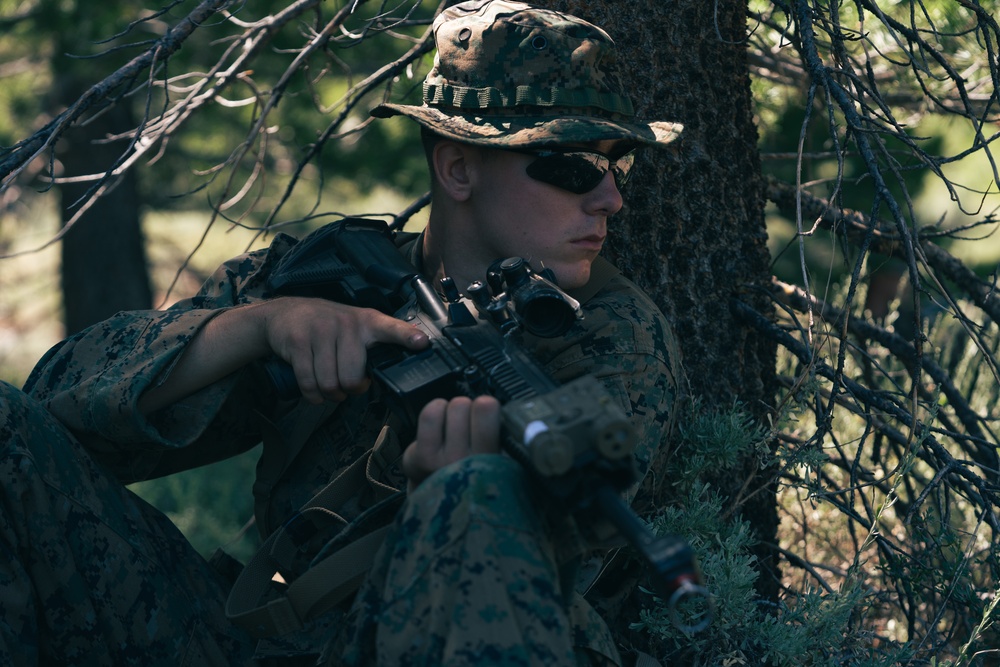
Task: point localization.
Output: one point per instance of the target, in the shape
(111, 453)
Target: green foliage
(805, 630)
(211, 505)
(228, 154)
(840, 604)
(713, 442)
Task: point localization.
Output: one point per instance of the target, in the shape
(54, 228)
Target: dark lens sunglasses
(577, 171)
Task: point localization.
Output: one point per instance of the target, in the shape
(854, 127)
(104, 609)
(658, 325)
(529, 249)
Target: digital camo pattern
(509, 74)
(92, 382)
(468, 576)
(506, 54)
(90, 574)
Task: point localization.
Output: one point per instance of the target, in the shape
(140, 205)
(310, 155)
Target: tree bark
(104, 267)
(692, 233)
(103, 255)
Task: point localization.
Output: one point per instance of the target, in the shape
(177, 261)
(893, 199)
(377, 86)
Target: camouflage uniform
(123, 561)
(89, 573)
(475, 570)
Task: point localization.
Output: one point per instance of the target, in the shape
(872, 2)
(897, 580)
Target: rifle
(573, 437)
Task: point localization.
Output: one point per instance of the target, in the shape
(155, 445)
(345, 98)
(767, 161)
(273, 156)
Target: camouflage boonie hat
(508, 74)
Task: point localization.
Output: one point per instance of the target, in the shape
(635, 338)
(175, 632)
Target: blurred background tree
(822, 238)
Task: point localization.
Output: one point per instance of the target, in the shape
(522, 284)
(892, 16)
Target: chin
(572, 277)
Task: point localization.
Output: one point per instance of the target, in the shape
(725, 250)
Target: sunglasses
(577, 171)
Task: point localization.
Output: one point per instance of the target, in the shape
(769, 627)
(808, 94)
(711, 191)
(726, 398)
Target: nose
(605, 198)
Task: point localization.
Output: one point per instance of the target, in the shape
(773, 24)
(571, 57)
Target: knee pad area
(486, 493)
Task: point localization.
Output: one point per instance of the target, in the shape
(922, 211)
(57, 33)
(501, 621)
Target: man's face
(517, 215)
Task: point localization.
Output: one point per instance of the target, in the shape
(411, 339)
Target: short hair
(430, 139)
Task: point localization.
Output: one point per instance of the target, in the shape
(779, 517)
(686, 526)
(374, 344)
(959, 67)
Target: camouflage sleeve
(625, 341)
(92, 381)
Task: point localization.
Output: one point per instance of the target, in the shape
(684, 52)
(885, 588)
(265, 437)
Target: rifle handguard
(577, 421)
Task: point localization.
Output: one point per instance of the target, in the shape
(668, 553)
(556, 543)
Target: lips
(592, 242)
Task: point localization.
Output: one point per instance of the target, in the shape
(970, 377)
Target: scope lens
(545, 315)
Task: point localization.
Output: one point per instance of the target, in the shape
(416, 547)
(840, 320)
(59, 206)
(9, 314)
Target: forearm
(324, 342)
(228, 342)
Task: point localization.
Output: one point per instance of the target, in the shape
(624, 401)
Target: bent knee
(485, 488)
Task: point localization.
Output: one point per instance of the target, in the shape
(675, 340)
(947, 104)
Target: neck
(446, 251)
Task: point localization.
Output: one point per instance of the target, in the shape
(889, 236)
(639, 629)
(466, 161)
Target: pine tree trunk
(692, 233)
(104, 267)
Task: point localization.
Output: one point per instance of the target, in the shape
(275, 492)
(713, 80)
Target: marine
(530, 140)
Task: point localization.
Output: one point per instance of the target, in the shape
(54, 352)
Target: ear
(452, 162)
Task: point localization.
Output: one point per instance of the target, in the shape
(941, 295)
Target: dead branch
(983, 449)
(856, 226)
(978, 489)
(17, 157)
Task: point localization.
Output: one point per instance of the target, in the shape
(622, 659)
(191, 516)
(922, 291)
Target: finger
(418, 457)
(305, 378)
(484, 426)
(352, 373)
(456, 431)
(325, 368)
(430, 432)
(386, 329)
(430, 424)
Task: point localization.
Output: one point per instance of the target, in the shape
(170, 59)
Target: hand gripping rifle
(574, 438)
